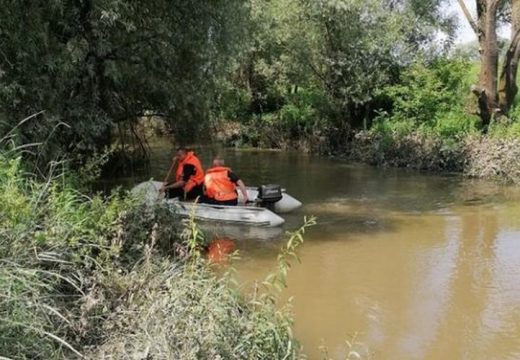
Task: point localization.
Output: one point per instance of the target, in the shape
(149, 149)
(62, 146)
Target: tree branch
(469, 17)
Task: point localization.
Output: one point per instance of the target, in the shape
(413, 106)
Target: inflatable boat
(267, 201)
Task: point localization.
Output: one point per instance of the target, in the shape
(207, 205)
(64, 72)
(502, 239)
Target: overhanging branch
(469, 17)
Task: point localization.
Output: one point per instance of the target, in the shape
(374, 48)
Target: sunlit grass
(86, 276)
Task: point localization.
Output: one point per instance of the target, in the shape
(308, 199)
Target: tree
(95, 65)
(508, 88)
(360, 46)
(347, 50)
(495, 95)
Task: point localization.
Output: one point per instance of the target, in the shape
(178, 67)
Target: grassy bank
(107, 278)
(476, 156)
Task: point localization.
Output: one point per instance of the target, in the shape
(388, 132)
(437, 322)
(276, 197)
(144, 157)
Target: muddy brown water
(404, 265)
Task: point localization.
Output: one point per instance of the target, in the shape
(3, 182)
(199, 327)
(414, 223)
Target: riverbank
(474, 156)
(99, 277)
(493, 156)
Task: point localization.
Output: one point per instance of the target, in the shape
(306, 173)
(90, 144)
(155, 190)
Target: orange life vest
(194, 180)
(218, 186)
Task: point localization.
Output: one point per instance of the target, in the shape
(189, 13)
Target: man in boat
(189, 177)
(220, 185)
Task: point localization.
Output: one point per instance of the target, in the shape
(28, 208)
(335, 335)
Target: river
(406, 264)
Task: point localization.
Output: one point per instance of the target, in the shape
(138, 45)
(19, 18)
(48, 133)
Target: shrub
(185, 311)
(54, 245)
(427, 94)
(454, 124)
(108, 277)
(492, 157)
(51, 238)
(233, 103)
(505, 130)
(297, 120)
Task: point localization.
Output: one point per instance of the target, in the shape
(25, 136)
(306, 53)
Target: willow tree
(495, 93)
(345, 50)
(92, 65)
(357, 47)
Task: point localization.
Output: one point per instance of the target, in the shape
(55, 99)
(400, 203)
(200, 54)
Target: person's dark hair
(182, 149)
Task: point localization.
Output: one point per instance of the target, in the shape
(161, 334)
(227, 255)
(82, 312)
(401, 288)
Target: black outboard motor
(268, 195)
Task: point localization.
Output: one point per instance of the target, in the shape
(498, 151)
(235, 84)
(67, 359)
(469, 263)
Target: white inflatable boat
(240, 214)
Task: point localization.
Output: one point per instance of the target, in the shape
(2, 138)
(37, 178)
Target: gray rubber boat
(240, 214)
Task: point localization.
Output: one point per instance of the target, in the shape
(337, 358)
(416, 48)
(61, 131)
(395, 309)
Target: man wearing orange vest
(189, 177)
(220, 185)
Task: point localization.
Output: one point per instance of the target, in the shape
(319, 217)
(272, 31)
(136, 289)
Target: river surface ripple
(407, 265)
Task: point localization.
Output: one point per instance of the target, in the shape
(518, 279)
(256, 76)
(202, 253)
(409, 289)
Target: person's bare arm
(175, 185)
(186, 173)
(243, 189)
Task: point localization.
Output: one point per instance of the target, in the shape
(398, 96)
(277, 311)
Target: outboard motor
(268, 195)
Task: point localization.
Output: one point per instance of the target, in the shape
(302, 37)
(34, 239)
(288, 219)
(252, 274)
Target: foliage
(427, 92)
(187, 312)
(56, 248)
(430, 127)
(505, 130)
(51, 239)
(115, 278)
(93, 64)
(233, 103)
(455, 124)
(342, 50)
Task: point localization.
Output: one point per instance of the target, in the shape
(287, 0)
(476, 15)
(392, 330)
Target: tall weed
(185, 311)
(111, 278)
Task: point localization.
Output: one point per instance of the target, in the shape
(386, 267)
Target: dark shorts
(179, 193)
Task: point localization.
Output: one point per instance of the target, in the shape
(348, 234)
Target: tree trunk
(508, 88)
(487, 36)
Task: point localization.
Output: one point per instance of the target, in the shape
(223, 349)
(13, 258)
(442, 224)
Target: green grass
(109, 277)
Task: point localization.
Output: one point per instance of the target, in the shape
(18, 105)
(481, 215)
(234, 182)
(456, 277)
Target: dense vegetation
(91, 68)
(324, 74)
(375, 80)
(359, 79)
(112, 278)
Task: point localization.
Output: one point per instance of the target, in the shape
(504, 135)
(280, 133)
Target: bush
(299, 123)
(494, 158)
(184, 311)
(455, 124)
(113, 278)
(55, 244)
(51, 239)
(504, 130)
(233, 104)
(297, 120)
(428, 95)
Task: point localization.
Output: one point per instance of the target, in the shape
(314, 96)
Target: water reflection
(219, 250)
